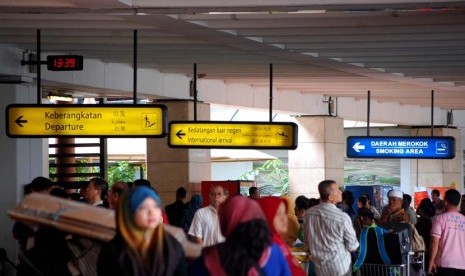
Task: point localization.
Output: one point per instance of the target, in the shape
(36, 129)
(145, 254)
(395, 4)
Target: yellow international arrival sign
(244, 135)
(86, 120)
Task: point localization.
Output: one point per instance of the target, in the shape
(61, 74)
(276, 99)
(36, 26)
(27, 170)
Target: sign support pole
(195, 91)
(271, 92)
(39, 90)
(368, 112)
(432, 112)
(135, 68)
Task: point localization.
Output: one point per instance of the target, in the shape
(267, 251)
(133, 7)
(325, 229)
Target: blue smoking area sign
(401, 147)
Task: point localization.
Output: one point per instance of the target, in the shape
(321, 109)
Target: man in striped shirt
(329, 234)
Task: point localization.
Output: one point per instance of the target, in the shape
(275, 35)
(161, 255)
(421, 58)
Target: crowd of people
(255, 235)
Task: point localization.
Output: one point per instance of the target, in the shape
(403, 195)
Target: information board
(86, 120)
(244, 135)
(401, 147)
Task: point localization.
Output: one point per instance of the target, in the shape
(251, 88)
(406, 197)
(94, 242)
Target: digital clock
(65, 63)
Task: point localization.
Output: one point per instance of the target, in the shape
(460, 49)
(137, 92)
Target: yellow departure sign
(86, 120)
(219, 134)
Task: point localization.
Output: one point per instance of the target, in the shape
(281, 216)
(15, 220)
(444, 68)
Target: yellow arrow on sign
(86, 120)
(210, 134)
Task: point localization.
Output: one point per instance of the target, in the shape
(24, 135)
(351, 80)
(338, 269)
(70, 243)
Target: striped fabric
(330, 236)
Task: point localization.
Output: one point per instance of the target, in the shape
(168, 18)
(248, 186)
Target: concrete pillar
(319, 156)
(169, 168)
(23, 160)
(438, 172)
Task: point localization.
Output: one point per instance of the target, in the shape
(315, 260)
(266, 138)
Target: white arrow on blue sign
(401, 147)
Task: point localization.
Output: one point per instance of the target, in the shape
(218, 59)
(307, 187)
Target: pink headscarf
(236, 210)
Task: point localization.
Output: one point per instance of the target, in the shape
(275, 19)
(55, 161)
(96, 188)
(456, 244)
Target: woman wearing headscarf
(194, 204)
(292, 233)
(275, 210)
(248, 249)
(141, 246)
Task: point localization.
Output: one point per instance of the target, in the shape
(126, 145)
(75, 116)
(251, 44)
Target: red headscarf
(270, 207)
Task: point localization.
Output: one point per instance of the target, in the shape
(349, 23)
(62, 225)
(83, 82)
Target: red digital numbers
(64, 63)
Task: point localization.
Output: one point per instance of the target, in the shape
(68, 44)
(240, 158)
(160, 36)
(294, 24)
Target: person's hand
(431, 269)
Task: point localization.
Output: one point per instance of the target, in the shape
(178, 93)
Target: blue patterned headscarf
(195, 204)
(139, 194)
(132, 235)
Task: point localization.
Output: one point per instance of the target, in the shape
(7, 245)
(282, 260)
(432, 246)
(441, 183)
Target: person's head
(96, 190)
(313, 202)
(141, 182)
(396, 200)
(115, 192)
(368, 199)
(462, 204)
(138, 216)
(41, 184)
(348, 198)
(237, 210)
(451, 199)
(367, 217)
(254, 193)
(243, 224)
(181, 193)
(362, 202)
(406, 200)
(301, 203)
(426, 208)
(275, 210)
(196, 202)
(218, 194)
(59, 192)
(329, 192)
(435, 195)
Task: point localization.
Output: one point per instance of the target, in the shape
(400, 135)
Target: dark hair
(181, 192)
(101, 185)
(252, 190)
(41, 183)
(324, 188)
(427, 207)
(313, 202)
(142, 182)
(59, 192)
(302, 203)
(368, 197)
(119, 187)
(365, 212)
(244, 246)
(407, 199)
(363, 200)
(348, 197)
(435, 191)
(452, 196)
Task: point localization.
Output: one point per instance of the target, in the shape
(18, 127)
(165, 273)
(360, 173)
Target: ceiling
(399, 51)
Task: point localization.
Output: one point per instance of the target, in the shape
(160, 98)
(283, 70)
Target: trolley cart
(415, 266)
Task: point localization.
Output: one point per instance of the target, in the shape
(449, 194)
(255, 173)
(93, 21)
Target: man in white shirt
(329, 234)
(96, 191)
(205, 227)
